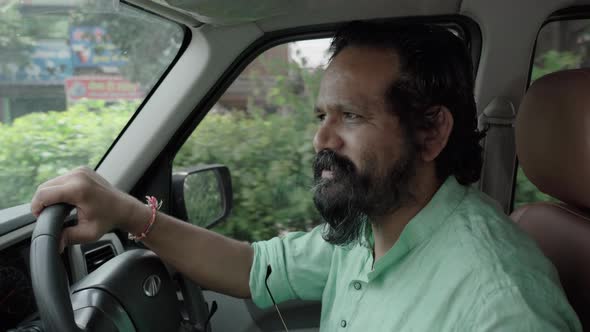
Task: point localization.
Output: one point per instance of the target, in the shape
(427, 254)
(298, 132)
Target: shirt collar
(424, 224)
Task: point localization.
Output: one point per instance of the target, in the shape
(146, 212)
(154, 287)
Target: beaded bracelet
(154, 205)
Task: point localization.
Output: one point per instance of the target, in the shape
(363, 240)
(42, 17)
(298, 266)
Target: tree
(135, 35)
(553, 61)
(268, 149)
(133, 32)
(15, 45)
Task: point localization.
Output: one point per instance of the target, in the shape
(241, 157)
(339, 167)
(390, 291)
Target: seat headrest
(553, 135)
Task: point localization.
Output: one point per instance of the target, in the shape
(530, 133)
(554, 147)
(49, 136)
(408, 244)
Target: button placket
(354, 293)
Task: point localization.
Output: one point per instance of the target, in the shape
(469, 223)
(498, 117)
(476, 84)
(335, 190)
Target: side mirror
(202, 195)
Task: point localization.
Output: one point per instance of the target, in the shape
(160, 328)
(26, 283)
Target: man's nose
(327, 137)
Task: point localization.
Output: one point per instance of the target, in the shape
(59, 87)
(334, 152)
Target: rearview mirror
(202, 195)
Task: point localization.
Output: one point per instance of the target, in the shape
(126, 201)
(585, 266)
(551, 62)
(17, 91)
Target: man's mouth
(327, 174)
(329, 167)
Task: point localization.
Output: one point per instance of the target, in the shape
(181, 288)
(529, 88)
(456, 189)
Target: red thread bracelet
(154, 205)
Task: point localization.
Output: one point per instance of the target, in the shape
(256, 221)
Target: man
(407, 244)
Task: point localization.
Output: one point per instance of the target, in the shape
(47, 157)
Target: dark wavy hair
(435, 70)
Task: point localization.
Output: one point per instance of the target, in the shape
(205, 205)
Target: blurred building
(82, 62)
(258, 76)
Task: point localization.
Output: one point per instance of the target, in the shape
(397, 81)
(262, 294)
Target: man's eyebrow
(351, 108)
(340, 107)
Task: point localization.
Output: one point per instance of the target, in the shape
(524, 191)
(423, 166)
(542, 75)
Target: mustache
(330, 160)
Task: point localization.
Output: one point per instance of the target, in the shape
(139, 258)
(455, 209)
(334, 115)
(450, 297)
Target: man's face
(364, 157)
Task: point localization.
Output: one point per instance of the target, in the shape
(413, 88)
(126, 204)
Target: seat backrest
(553, 148)
(564, 237)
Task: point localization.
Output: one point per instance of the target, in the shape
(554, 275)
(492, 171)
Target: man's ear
(435, 139)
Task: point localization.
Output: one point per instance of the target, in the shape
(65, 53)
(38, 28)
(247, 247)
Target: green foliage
(202, 198)
(270, 163)
(15, 43)
(526, 192)
(150, 42)
(18, 33)
(553, 61)
(40, 146)
(267, 147)
(269, 154)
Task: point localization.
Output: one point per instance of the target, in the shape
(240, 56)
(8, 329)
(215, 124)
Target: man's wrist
(138, 218)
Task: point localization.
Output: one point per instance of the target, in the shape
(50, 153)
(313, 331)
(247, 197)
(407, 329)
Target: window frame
(157, 178)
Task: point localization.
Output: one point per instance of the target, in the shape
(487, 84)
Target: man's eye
(321, 117)
(351, 116)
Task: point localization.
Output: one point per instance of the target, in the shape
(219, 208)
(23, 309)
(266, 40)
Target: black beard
(351, 199)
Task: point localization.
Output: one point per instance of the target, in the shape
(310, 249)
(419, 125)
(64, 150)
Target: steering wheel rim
(117, 285)
(49, 279)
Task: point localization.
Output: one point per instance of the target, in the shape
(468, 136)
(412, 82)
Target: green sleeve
(300, 263)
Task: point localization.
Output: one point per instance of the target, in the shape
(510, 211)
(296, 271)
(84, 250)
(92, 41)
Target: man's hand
(101, 207)
(211, 260)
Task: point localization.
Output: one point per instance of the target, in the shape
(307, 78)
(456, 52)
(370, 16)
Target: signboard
(109, 88)
(51, 3)
(50, 62)
(91, 47)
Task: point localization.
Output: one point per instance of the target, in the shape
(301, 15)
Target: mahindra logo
(151, 285)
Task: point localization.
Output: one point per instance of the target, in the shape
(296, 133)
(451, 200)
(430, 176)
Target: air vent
(98, 256)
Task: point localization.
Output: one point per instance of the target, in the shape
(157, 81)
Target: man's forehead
(338, 90)
(343, 105)
(358, 77)
(352, 99)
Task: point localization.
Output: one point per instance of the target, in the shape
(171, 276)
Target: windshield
(71, 77)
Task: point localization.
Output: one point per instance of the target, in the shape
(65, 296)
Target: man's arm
(211, 260)
(300, 263)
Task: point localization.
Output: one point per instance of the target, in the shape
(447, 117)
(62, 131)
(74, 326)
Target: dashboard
(17, 301)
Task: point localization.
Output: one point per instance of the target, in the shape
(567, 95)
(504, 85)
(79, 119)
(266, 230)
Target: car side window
(71, 77)
(560, 45)
(262, 129)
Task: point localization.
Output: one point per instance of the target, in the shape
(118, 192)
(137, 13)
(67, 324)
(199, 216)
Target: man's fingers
(36, 205)
(80, 172)
(75, 188)
(81, 233)
(55, 181)
(63, 193)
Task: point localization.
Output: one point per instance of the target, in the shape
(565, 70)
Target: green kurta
(459, 265)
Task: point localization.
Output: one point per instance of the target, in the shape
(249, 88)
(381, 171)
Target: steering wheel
(131, 292)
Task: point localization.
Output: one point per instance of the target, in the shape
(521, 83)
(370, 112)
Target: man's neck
(387, 229)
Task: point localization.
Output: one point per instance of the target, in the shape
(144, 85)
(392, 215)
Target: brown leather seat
(553, 148)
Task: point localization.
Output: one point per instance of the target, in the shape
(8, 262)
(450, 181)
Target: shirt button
(343, 323)
(357, 285)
